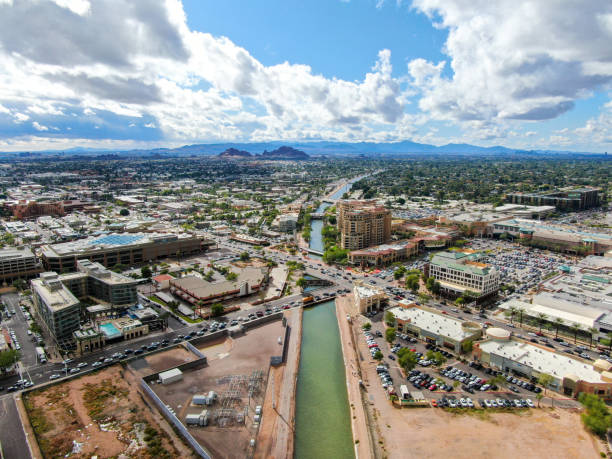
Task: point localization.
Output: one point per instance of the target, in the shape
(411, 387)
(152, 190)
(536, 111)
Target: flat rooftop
(541, 360)
(53, 293)
(434, 323)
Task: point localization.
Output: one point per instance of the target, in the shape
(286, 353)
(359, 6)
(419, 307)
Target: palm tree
(558, 322)
(592, 332)
(513, 311)
(521, 311)
(542, 318)
(610, 341)
(575, 329)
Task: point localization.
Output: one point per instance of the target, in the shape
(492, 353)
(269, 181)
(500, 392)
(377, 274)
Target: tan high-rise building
(363, 224)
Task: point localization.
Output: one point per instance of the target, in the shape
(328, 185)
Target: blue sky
(166, 73)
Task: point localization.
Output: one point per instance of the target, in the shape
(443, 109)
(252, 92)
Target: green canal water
(323, 423)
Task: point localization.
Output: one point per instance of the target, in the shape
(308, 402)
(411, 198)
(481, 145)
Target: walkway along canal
(323, 423)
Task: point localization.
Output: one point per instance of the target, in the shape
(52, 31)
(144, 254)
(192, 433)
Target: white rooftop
(542, 360)
(434, 323)
(571, 314)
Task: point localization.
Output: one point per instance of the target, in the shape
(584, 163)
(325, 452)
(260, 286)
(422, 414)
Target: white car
(530, 404)
(54, 376)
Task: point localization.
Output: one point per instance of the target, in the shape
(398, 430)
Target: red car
(433, 387)
(434, 403)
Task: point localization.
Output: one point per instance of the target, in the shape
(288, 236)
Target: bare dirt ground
(100, 414)
(436, 433)
(276, 434)
(344, 307)
(241, 355)
(168, 359)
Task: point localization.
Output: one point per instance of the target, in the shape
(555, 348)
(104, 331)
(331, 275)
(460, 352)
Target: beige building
(363, 224)
(368, 299)
(570, 375)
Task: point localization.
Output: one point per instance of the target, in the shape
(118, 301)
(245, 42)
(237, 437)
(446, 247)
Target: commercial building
(194, 289)
(571, 376)
(121, 248)
(384, 254)
(285, 223)
(438, 329)
(95, 281)
(459, 272)
(24, 209)
(18, 264)
(523, 211)
(246, 239)
(578, 199)
(57, 308)
(368, 298)
(554, 237)
(363, 224)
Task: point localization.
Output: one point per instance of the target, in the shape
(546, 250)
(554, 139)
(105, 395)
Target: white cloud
(39, 127)
(525, 60)
(20, 117)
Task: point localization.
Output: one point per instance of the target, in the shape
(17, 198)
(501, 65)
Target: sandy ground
(432, 433)
(276, 434)
(344, 307)
(169, 359)
(119, 428)
(240, 355)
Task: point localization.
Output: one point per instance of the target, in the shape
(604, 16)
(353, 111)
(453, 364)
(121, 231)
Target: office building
(434, 328)
(18, 264)
(95, 281)
(363, 224)
(459, 272)
(56, 307)
(121, 248)
(578, 199)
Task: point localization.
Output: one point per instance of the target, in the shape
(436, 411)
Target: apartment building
(56, 307)
(363, 224)
(121, 248)
(459, 272)
(18, 264)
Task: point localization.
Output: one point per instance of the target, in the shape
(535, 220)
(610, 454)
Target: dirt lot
(240, 356)
(100, 414)
(543, 433)
(168, 359)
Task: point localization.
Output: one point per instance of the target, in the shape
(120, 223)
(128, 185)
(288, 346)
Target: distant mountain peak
(235, 153)
(284, 152)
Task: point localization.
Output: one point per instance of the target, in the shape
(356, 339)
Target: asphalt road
(12, 436)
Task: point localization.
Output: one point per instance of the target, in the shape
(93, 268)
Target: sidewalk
(361, 435)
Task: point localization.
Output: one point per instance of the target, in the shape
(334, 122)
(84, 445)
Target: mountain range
(280, 150)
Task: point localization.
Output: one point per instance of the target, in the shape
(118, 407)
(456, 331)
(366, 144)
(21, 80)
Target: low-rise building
(438, 329)
(121, 249)
(368, 298)
(570, 376)
(384, 254)
(459, 272)
(195, 290)
(577, 199)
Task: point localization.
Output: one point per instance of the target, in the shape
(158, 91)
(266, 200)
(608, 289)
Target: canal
(323, 423)
(316, 240)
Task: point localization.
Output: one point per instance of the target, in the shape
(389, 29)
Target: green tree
(367, 326)
(8, 358)
(545, 380)
(467, 346)
(412, 282)
(216, 309)
(378, 356)
(231, 276)
(596, 417)
(124, 212)
(541, 319)
(539, 397)
(592, 332)
(301, 282)
(244, 256)
(513, 312)
(389, 319)
(407, 359)
(146, 272)
(390, 335)
(558, 322)
(575, 328)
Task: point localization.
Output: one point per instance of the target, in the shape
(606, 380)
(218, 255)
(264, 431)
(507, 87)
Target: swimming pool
(110, 331)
